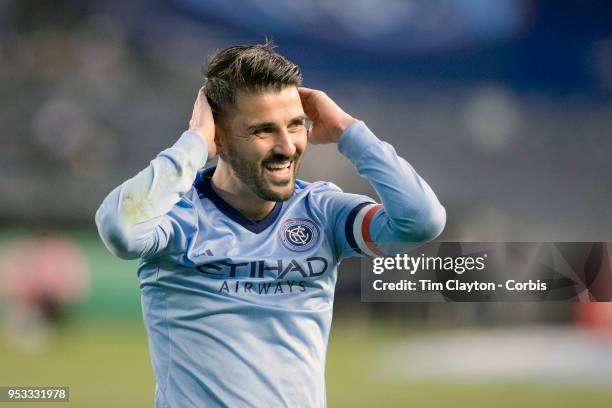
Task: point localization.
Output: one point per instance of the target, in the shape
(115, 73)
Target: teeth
(278, 166)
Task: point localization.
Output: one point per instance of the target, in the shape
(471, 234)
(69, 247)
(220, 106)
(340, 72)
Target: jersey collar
(204, 188)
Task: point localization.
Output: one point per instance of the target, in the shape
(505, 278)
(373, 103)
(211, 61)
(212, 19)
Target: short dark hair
(247, 68)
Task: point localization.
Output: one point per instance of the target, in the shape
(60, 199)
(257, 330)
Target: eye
(296, 127)
(262, 132)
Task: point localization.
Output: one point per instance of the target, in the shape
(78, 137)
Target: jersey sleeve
(133, 220)
(409, 213)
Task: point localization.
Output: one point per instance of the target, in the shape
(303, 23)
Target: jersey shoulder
(315, 198)
(324, 198)
(315, 187)
(324, 191)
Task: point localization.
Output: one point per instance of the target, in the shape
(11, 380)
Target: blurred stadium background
(504, 106)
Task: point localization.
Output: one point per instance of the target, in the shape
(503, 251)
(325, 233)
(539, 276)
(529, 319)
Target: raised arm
(410, 213)
(132, 219)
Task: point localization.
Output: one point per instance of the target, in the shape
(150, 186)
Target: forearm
(130, 219)
(411, 209)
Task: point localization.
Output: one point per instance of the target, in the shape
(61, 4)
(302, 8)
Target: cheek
(257, 151)
(300, 140)
(252, 152)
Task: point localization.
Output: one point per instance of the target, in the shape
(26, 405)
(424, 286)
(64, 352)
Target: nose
(284, 144)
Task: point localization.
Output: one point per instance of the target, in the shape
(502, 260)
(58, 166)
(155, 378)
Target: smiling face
(264, 137)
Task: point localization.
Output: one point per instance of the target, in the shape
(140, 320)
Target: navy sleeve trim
(348, 227)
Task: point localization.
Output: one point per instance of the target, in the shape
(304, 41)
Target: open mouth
(279, 171)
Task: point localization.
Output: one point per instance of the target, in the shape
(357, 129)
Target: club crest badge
(299, 234)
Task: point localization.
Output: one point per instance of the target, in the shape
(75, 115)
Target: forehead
(268, 106)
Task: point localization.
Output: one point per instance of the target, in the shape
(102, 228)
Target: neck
(231, 189)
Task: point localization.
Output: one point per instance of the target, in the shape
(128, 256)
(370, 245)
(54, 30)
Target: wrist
(207, 139)
(342, 125)
(356, 141)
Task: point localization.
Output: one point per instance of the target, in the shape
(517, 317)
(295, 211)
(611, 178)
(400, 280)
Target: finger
(306, 93)
(196, 107)
(201, 97)
(203, 100)
(305, 89)
(308, 101)
(201, 93)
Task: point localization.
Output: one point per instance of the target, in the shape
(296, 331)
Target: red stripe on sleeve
(365, 230)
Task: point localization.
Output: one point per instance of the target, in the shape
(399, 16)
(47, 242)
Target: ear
(220, 139)
(219, 135)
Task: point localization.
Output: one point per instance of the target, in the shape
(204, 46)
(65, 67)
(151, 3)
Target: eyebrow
(298, 120)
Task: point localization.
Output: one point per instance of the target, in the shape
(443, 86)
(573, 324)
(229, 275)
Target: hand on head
(328, 119)
(202, 122)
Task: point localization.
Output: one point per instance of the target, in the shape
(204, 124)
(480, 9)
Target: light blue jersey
(238, 312)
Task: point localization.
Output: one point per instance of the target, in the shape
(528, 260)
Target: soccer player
(238, 262)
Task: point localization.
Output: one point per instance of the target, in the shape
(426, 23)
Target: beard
(251, 173)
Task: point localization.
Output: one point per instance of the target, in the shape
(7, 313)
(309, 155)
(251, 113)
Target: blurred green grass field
(101, 353)
(107, 364)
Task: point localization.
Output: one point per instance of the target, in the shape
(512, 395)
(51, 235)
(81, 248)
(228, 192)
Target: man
(238, 263)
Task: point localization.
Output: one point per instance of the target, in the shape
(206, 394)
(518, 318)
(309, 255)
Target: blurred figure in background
(39, 278)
